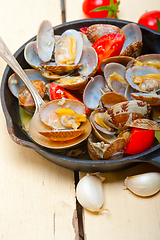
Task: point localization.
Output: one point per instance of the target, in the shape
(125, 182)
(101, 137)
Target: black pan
(151, 44)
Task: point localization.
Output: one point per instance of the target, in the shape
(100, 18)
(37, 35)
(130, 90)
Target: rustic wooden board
(130, 217)
(37, 199)
(127, 9)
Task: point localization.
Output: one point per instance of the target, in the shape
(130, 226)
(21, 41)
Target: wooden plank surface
(128, 10)
(130, 217)
(37, 198)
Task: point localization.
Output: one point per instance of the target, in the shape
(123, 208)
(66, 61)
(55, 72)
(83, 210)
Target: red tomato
(149, 20)
(139, 140)
(58, 92)
(89, 5)
(83, 30)
(108, 46)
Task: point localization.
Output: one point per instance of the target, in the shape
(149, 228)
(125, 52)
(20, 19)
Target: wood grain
(37, 199)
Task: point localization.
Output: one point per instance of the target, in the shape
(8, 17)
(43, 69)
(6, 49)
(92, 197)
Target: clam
(25, 98)
(68, 49)
(86, 67)
(96, 31)
(102, 136)
(31, 56)
(114, 74)
(59, 70)
(45, 41)
(148, 60)
(99, 124)
(61, 136)
(72, 82)
(86, 42)
(15, 83)
(152, 98)
(124, 60)
(89, 61)
(92, 92)
(123, 113)
(102, 151)
(51, 75)
(67, 120)
(144, 124)
(111, 98)
(40, 50)
(143, 78)
(156, 113)
(133, 43)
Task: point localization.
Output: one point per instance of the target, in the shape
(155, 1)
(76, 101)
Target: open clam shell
(102, 151)
(31, 56)
(101, 136)
(152, 98)
(133, 43)
(150, 59)
(59, 70)
(15, 83)
(50, 75)
(69, 52)
(123, 113)
(156, 113)
(111, 98)
(92, 92)
(96, 116)
(50, 118)
(124, 60)
(60, 136)
(86, 42)
(58, 132)
(114, 74)
(89, 61)
(72, 82)
(45, 41)
(25, 98)
(140, 71)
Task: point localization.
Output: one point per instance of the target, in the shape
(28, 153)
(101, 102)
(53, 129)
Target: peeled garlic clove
(89, 192)
(143, 185)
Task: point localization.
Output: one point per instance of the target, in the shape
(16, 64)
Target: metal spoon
(36, 125)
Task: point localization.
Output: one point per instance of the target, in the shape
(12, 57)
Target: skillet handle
(152, 158)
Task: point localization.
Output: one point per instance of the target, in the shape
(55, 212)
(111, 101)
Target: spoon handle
(12, 62)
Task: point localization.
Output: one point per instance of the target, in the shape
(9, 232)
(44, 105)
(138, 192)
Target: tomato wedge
(139, 140)
(108, 45)
(58, 92)
(83, 30)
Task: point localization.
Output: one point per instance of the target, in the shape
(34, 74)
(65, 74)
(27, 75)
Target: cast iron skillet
(151, 44)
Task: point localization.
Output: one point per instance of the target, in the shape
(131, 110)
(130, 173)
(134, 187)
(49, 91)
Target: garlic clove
(89, 192)
(143, 185)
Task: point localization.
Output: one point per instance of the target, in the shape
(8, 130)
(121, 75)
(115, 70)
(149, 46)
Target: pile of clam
(123, 95)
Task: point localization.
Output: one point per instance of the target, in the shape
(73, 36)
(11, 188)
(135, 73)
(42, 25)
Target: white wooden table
(37, 197)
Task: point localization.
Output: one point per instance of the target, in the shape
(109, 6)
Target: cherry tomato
(139, 140)
(89, 5)
(108, 45)
(149, 19)
(58, 92)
